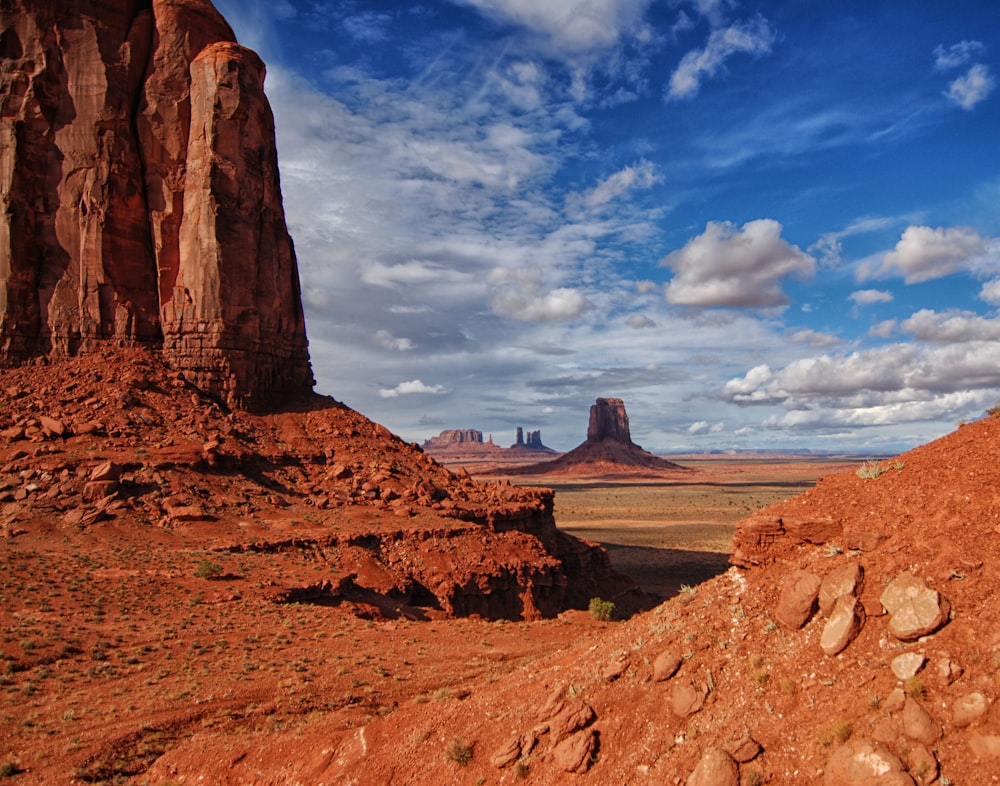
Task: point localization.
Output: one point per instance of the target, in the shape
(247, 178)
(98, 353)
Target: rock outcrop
(608, 449)
(142, 200)
(608, 420)
(456, 436)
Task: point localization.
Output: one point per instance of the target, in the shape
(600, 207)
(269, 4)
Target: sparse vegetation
(603, 610)
(208, 570)
(914, 687)
(873, 468)
(460, 751)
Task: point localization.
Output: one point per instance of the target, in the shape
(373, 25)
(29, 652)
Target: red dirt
(119, 662)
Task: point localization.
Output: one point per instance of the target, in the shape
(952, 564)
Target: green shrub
(603, 610)
(208, 570)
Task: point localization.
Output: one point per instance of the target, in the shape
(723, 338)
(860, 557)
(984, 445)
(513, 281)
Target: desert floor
(668, 533)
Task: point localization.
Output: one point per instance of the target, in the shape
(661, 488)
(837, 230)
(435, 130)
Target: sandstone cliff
(141, 195)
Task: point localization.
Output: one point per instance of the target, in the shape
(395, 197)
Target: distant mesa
(466, 447)
(608, 449)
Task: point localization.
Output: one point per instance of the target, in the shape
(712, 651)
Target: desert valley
(211, 574)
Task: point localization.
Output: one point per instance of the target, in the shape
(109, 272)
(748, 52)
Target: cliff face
(608, 420)
(141, 195)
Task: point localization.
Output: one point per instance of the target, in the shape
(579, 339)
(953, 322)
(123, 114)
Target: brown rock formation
(140, 178)
(608, 420)
(608, 449)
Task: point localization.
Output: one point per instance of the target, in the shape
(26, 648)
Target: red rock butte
(142, 200)
(607, 451)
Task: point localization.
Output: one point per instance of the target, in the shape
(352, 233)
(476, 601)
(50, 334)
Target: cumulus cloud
(990, 292)
(891, 384)
(957, 55)
(386, 340)
(641, 175)
(972, 88)
(754, 37)
(924, 253)
(736, 267)
(951, 327)
(704, 427)
(519, 295)
(866, 297)
(883, 329)
(410, 388)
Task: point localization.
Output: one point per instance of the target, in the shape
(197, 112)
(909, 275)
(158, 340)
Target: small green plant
(603, 610)
(521, 770)
(687, 593)
(460, 752)
(9, 769)
(208, 570)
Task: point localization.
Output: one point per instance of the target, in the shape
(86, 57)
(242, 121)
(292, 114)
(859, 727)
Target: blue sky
(761, 224)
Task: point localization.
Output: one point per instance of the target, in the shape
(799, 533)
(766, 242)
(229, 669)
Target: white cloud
(704, 427)
(572, 26)
(519, 295)
(829, 246)
(923, 253)
(753, 37)
(814, 339)
(730, 266)
(990, 292)
(971, 89)
(639, 321)
(386, 340)
(410, 388)
(883, 329)
(416, 271)
(951, 327)
(880, 386)
(957, 55)
(866, 297)
(641, 175)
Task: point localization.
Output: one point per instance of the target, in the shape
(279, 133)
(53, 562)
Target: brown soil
(316, 656)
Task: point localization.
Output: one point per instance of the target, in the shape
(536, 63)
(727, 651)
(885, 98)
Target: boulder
(844, 580)
(907, 665)
(666, 665)
(845, 622)
(687, 698)
(917, 723)
(985, 746)
(915, 609)
(864, 763)
(574, 754)
(968, 709)
(715, 768)
(797, 600)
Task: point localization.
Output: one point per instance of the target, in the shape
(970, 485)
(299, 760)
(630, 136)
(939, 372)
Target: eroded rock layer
(141, 195)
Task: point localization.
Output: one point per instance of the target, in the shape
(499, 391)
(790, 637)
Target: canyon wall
(141, 198)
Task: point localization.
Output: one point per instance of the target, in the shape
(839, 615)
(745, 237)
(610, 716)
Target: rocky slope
(143, 205)
(854, 643)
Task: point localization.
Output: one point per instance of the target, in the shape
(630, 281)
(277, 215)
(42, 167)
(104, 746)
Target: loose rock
(863, 763)
(666, 665)
(575, 753)
(846, 620)
(845, 580)
(716, 768)
(797, 601)
(915, 609)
